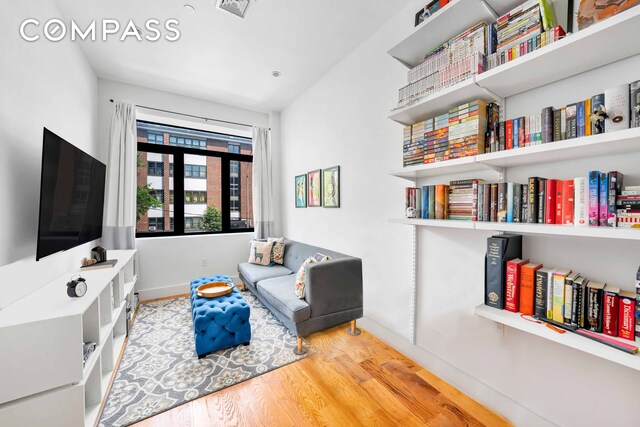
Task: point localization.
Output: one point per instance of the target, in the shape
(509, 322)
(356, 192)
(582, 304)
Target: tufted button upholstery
(220, 322)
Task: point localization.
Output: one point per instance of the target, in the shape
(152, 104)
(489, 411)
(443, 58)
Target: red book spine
(443, 3)
(626, 320)
(509, 136)
(512, 300)
(559, 200)
(550, 205)
(568, 201)
(610, 314)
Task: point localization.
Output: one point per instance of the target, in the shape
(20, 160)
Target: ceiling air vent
(235, 7)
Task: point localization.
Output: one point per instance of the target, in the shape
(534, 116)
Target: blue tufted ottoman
(220, 322)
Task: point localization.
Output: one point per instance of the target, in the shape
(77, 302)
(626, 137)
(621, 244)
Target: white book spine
(580, 202)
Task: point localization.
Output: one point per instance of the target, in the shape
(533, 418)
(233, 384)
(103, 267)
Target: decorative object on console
(87, 349)
(301, 191)
(260, 252)
(592, 11)
(331, 187)
(99, 265)
(76, 287)
(314, 188)
(86, 262)
(99, 254)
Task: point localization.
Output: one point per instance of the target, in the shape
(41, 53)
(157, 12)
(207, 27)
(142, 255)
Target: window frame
(178, 152)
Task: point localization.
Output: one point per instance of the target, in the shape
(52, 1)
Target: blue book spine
(516, 130)
(425, 202)
(510, 202)
(580, 118)
(603, 196)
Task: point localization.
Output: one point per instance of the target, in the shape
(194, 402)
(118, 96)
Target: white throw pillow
(260, 252)
(301, 276)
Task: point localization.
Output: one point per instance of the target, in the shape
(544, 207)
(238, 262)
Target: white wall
(42, 84)
(533, 382)
(167, 264)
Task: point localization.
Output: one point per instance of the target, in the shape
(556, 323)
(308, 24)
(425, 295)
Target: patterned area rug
(160, 370)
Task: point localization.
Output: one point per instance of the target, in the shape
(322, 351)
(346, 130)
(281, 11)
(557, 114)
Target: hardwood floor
(347, 381)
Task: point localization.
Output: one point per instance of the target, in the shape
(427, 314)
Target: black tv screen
(71, 196)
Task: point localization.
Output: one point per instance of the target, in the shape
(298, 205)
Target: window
(195, 197)
(201, 181)
(195, 171)
(155, 168)
(154, 138)
(192, 223)
(156, 224)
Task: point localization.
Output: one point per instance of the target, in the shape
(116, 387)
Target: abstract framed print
(301, 191)
(331, 187)
(314, 189)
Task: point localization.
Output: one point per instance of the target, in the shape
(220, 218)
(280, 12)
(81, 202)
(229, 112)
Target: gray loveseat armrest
(334, 286)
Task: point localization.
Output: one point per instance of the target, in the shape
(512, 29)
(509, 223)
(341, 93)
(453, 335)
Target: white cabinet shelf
(603, 43)
(525, 228)
(606, 144)
(446, 23)
(46, 330)
(440, 102)
(568, 339)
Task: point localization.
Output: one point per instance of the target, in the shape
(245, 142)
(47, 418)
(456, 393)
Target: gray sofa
(333, 289)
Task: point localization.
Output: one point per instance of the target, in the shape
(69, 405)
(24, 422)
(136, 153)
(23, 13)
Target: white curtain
(120, 206)
(263, 216)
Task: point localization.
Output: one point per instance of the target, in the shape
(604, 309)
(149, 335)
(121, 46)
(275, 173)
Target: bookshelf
(603, 43)
(440, 102)
(525, 228)
(440, 27)
(565, 58)
(45, 331)
(568, 339)
(620, 142)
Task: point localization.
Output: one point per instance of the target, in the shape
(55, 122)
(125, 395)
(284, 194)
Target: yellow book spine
(587, 117)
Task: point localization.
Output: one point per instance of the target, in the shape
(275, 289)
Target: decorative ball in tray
(214, 289)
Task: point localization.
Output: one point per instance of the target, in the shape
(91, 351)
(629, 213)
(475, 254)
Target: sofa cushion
(254, 273)
(280, 293)
(260, 252)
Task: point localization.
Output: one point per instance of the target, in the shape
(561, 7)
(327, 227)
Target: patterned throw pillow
(302, 273)
(301, 276)
(260, 252)
(277, 254)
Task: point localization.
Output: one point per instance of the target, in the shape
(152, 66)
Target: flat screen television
(71, 196)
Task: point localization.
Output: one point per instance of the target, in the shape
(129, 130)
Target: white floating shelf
(512, 227)
(440, 102)
(463, 164)
(568, 339)
(562, 230)
(606, 144)
(446, 23)
(444, 223)
(600, 44)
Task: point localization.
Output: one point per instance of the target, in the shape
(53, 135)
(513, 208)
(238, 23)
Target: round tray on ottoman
(214, 289)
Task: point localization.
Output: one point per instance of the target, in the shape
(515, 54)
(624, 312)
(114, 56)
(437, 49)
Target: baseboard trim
(168, 291)
(504, 405)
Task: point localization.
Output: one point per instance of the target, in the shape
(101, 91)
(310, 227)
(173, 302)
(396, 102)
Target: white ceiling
(226, 59)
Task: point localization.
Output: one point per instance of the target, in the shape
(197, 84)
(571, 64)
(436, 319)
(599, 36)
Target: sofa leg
(300, 350)
(353, 330)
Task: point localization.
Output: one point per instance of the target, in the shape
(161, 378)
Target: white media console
(42, 378)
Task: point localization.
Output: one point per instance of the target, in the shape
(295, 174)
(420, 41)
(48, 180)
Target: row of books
(524, 29)
(561, 295)
(446, 65)
(598, 200)
(458, 133)
(520, 31)
(616, 109)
